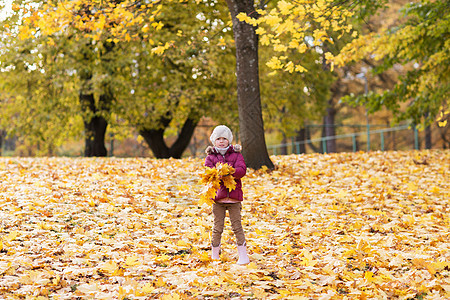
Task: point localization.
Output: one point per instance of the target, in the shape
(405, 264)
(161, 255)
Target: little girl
(224, 152)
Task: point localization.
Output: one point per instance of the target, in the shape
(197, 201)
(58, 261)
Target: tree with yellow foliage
(420, 40)
(135, 64)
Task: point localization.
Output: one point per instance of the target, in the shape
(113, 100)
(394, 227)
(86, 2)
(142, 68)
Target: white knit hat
(221, 131)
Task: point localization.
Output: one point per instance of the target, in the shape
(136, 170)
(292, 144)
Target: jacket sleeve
(209, 162)
(240, 167)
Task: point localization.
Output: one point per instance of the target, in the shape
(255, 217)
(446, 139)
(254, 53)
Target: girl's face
(221, 142)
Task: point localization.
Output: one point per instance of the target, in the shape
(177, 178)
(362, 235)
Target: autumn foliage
(212, 179)
(336, 226)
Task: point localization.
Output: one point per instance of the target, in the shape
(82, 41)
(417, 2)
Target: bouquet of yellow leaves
(212, 179)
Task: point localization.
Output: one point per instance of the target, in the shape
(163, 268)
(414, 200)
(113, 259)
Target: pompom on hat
(221, 131)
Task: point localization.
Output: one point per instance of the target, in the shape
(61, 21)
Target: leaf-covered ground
(341, 226)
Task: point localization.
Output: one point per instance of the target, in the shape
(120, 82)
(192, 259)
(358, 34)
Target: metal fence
(395, 138)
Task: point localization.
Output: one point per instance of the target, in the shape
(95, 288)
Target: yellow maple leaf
(109, 267)
(87, 288)
(171, 297)
(229, 182)
(207, 195)
(412, 186)
(11, 236)
(308, 259)
(224, 169)
(369, 276)
(132, 261)
(274, 63)
(435, 190)
(182, 243)
(162, 259)
(160, 282)
(260, 293)
(205, 256)
(157, 25)
(147, 288)
(34, 277)
(210, 175)
(439, 266)
(285, 7)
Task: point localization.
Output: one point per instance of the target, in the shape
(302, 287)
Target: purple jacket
(234, 158)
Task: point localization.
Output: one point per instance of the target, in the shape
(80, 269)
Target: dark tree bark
(94, 127)
(251, 124)
(155, 139)
(394, 141)
(443, 131)
(357, 146)
(1, 141)
(301, 137)
(329, 129)
(193, 146)
(284, 141)
(94, 112)
(428, 142)
(284, 149)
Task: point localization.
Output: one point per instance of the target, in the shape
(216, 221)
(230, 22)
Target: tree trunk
(155, 139)
(193, 146)
(443, 131)
(428, 143)
(94, 127)
(357, 147)
(284, 148)
(329, 128)
(1, 142)
(95, 122)
(301, 137)
(251, 124)
(394, 141)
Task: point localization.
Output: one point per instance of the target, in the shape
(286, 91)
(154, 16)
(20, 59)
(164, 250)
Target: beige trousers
(219, 212)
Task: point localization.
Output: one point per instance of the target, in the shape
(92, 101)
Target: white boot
(243, 258)
(215, 253)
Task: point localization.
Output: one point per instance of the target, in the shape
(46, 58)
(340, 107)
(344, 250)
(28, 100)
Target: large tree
(138, 65)
(79, 54)
(248, 89)
(299, 33)
(418, 40)
(36, 93)
(185, 80)
(290, 100)
(95, 99)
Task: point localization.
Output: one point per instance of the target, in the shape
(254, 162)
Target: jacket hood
(210, 149)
